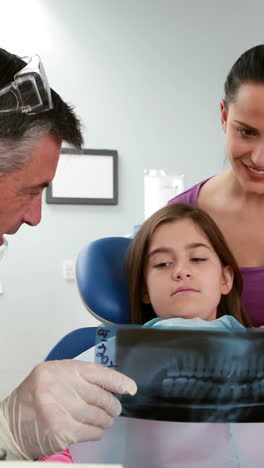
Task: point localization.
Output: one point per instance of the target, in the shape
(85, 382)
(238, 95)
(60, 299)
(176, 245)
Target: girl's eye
(198, 259)
(246, 132)
(163, 264)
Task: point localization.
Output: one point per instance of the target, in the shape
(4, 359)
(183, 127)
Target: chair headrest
(102, 281)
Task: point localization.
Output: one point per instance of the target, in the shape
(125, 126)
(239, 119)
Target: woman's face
(183, 274)
(243, 124)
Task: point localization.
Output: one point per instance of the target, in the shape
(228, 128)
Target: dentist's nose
(32, 215)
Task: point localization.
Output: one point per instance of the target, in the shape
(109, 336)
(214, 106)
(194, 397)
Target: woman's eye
(246, 132)
(198, 259)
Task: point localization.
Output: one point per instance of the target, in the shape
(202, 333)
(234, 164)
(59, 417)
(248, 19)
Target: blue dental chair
(101, 279)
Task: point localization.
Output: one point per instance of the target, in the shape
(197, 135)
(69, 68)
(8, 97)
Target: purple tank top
(253, 277)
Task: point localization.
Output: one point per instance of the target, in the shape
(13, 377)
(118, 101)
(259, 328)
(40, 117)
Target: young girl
(181, 271)
(180, 267)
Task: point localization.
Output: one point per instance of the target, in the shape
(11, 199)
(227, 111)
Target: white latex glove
(60, 403)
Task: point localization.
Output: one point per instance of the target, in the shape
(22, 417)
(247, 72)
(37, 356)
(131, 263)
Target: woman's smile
(253, 173)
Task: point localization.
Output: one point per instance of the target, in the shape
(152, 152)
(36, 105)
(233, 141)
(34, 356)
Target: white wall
(146, 77)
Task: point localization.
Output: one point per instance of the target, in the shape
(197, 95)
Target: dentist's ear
(223, 110)
(227, 279)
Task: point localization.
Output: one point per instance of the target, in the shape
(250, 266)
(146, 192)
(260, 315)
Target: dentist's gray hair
(20, 132)
(14, 153)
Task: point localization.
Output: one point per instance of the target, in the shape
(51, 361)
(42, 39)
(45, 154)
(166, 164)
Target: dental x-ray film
(189, 375)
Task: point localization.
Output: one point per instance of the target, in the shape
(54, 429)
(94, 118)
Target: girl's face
(183, 274)
(243, 124)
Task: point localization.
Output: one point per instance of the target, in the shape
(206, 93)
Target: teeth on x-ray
(193, 375)
(190, 384)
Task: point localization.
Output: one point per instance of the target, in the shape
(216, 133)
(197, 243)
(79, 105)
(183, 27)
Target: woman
(235, 198)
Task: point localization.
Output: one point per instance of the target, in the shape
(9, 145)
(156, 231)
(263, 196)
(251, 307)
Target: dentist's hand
(60, 403)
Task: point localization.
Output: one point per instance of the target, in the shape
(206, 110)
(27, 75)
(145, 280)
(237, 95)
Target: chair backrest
(73, 344)
(102, 282)
(101, 279)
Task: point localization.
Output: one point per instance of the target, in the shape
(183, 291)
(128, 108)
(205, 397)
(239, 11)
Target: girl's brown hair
(230, 304)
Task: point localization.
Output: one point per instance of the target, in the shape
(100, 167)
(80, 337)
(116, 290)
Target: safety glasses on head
(29, 92)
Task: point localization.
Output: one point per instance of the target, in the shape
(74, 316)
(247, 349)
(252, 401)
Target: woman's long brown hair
(230, 304)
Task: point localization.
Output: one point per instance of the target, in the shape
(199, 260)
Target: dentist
(60, 402)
